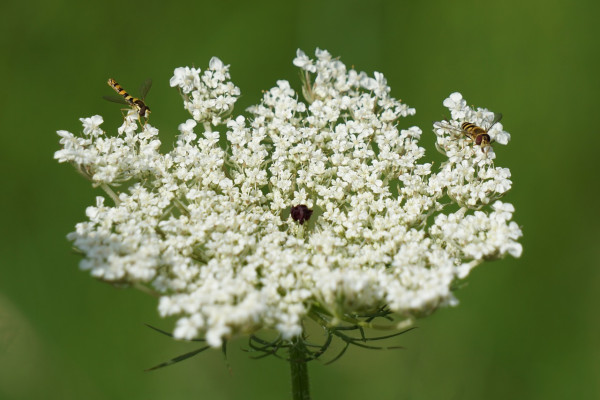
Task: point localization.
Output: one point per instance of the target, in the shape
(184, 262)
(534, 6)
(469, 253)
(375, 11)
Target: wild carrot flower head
(324, 203)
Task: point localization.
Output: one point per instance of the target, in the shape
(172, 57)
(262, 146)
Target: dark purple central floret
(301, 213)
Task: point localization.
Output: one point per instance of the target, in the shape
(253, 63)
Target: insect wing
(145, 88)
(116, 99)
(497, 118)
(445, 125)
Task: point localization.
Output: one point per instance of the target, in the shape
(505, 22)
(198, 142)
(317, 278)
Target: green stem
(300, 390)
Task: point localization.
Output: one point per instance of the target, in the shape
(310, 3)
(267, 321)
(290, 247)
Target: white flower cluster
(307, 204)
(208, 97)
(469, 175)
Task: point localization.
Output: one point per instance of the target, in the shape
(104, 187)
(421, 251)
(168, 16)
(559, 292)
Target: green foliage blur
(525, 329)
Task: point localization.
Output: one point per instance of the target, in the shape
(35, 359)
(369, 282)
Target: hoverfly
(476, 133)
(127, 99)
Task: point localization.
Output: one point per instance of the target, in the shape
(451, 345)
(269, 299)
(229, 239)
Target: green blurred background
(525, 329)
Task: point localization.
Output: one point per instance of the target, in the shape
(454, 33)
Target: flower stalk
(299, 370)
